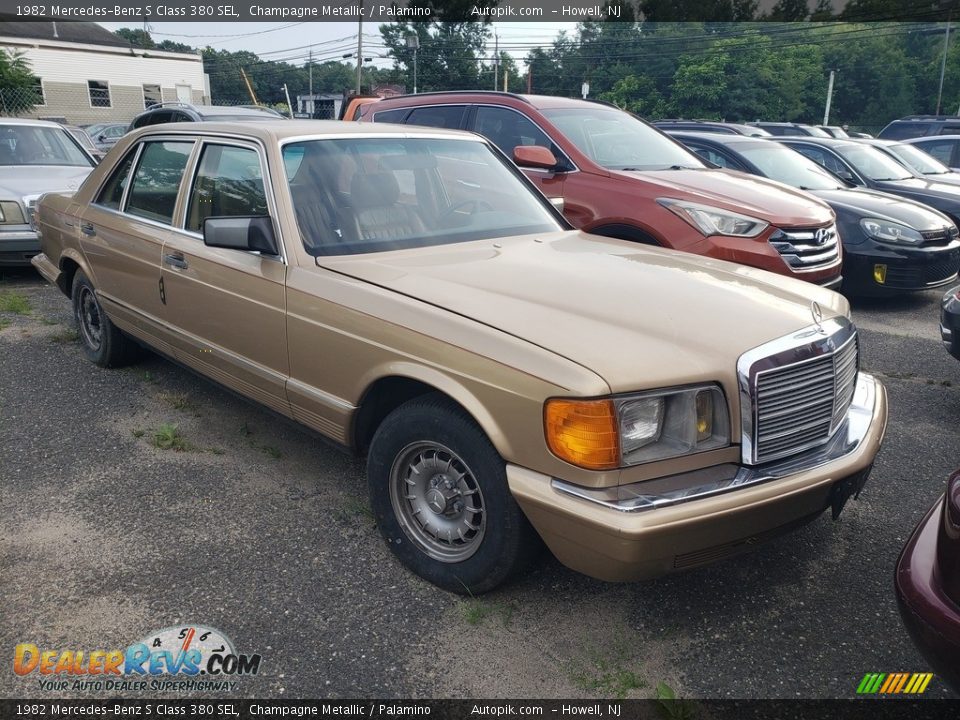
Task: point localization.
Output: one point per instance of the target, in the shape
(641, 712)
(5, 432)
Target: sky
(293, 41)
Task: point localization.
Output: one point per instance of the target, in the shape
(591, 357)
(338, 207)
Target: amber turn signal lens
(583, 432)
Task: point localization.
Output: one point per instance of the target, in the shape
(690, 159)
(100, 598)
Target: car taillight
(948, 540)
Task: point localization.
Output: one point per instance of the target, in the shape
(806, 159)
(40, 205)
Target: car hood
(637, 316)
(774, 202)
(921, 186)
(16, 181)
(883, 206)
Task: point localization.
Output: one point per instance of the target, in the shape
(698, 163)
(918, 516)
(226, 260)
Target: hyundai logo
(821, 236)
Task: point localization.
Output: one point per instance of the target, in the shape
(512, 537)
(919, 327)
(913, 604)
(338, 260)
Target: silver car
(36, 157)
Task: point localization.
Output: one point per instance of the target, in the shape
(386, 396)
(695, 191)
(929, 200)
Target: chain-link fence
(92, 103)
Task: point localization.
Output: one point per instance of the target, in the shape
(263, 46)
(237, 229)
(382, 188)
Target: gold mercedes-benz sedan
(408, 293)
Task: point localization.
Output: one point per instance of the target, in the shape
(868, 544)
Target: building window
(99, 93)
(151, 96)
(38, 97)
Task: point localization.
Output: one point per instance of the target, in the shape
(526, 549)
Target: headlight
(10, 213)
(887, 231)
(715, 221)
(638, 428)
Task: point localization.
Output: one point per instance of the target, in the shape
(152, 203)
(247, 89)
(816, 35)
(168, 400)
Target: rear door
(123, 230)
(228, 306)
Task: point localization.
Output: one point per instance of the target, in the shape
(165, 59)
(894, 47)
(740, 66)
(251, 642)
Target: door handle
(176, 260)
(88, 229)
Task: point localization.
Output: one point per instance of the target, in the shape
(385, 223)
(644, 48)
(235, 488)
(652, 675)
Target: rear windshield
(363, 195)
(38, 145)
(904, 130)
(618, 141)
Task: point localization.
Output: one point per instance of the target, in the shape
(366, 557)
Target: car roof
(28, 121)
(722, 139)
(277, 130)
(540, 102)
(929, 138)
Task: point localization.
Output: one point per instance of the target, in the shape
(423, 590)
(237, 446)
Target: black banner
(484, 709)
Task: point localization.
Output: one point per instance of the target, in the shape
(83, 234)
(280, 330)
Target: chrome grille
(807, 249)
(796, 391)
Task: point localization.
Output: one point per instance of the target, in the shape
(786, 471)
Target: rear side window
(904, 130)
(949, 129)
(447, 116)
(942, 150)
(112, 193)
(391, 116)
(228, 183)
(153, 191)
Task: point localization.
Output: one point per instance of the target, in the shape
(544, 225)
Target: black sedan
(890, 244)
(950, 322)
(865, 166)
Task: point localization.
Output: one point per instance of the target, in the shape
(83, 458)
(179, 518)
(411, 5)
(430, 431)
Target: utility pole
(289, 106)
(496, 60)
(413, 43)
(826, 110)
(360, 48)
(311, 76)
(943, 64)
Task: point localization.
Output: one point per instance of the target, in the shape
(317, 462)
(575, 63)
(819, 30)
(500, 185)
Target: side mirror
(101, 137)
(241, 233)
(534, 156)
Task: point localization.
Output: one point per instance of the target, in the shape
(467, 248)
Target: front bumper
(906, 269)
(658, 526)
(950, 322)
(931, 618)
(17, 248)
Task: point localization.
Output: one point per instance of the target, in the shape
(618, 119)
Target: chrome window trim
(716, 480)
(809, 343)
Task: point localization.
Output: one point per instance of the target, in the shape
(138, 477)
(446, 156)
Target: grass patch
(168, 437)
(607, 675)
(138, 433)
(353, 506)
(68, 335)
(148, 376)
(476, 611)
(14, 302)
(176, 400)
(672, 707)
(4, 324)
(48, 321)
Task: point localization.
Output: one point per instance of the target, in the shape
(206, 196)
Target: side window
(815, 154)
(391, 116)
(112, 193)
(940, 149)
(99, 92)
(506, 129)
(228, 183)
(153, 191)
(447, 116)
(949, 129)
(711, 155)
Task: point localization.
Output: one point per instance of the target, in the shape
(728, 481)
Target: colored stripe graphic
(894, 683)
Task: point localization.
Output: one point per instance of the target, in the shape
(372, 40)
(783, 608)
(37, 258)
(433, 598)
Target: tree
(17, 83)
(789, 11)
(137, 37)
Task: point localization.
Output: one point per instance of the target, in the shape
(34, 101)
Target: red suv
(620, 177)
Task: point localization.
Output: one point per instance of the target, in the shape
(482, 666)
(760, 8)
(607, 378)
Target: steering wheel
(474, 204)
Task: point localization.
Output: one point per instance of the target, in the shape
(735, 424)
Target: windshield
(363, 195)
(788, 166)
(874, 164)
(38, 145)
(816, 132)
(618, 141)
(918, 160)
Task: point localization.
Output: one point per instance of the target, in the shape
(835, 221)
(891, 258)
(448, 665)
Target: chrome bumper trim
(708, 482)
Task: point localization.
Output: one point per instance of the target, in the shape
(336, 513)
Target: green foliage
(16, 79)
(14, 302)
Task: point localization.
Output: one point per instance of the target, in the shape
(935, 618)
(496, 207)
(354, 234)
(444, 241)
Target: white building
(86, 74)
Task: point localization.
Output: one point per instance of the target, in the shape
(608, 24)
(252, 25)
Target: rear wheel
(439, 491)
(102, 341)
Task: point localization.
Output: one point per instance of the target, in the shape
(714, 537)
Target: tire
(438, 489)
(101, 340)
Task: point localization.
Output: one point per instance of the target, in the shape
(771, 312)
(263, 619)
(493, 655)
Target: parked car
(927, 583)
(35, 157)
(915, 126)
(890, 244)
(620, 177)
(915, 160)
(105, 136)
(945, 148)
(350, 107)
(787, 128)
(172, 112)
(865, 166)
(833, 131)
(950, 321)
(409, 294)
(710, 126)
(80, 135)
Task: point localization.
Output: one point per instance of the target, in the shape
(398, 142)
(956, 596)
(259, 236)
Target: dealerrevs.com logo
(187, 658)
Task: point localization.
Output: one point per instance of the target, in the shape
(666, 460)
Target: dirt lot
(251, 525)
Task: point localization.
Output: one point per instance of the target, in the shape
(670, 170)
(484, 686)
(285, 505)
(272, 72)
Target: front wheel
(439, 491)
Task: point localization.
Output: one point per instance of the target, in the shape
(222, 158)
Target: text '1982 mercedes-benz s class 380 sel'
(407, 293)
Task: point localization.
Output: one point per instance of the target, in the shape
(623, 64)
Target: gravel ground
(261, 530)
